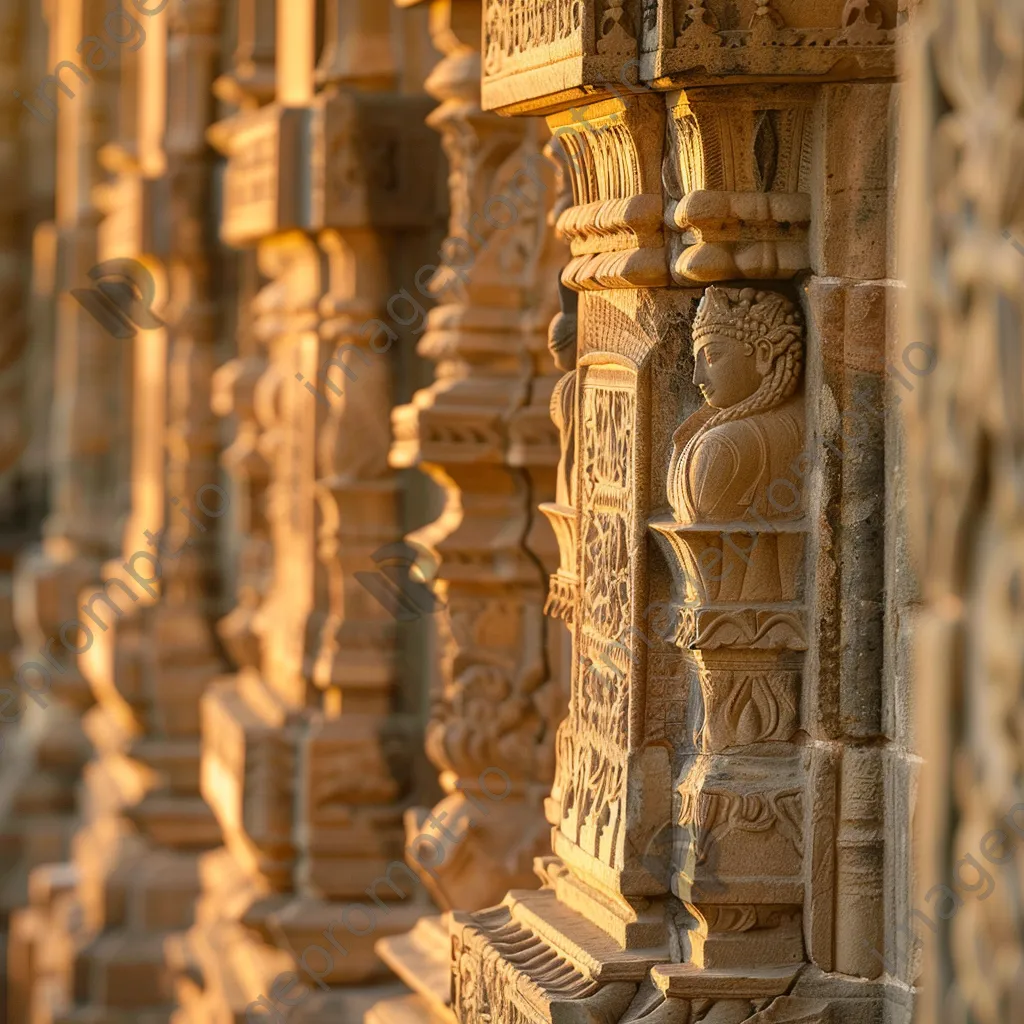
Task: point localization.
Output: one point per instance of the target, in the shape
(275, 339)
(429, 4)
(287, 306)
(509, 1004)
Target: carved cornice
(558, 48)
(542, 56)
(706, 40)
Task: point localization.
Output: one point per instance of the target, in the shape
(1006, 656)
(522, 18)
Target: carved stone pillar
(481, 433)
(958, 937)
(304, 747)
(88, 444)
(147, 645)
(718, 792)
(22, 202)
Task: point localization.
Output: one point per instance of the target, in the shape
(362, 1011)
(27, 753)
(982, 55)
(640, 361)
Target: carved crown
(747, 315)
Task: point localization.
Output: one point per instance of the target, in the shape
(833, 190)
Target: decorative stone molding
(614, 226)
(738, 172)
(710, 39)
(545, 56)
(707, 764)
(571, 44)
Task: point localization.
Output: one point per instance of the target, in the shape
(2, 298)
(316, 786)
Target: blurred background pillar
(481, 431)
(307, 749)
(144, 636)
(26, 346)
(88, 488)
(962, 251)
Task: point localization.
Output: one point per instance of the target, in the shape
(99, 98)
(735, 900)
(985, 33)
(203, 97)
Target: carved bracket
(737, 172)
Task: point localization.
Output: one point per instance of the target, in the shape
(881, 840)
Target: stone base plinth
(533, 960)
(422, 959)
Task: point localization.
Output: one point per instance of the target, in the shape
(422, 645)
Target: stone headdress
(750, 316)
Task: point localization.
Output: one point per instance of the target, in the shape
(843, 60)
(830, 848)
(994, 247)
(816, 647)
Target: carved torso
(723, 473)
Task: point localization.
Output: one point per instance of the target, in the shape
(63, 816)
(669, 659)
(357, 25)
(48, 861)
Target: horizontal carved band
(742, 628)
(539, 54)
(629, 223)
(630, 268)
(727, 235)
(728, 566)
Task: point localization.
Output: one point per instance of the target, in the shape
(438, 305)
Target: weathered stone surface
(704, 598)
(697, 855)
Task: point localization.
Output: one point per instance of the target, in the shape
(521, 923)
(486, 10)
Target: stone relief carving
(615, 33)
(697, 27)
(561, 513)
(562, 345)
(740, 620)
(770, 823)
(710, 184)
(532, 47)
(520, 27)
(711, 37)
(748, 356)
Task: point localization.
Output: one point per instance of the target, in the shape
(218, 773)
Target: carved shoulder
(721, 474)
(712, 469)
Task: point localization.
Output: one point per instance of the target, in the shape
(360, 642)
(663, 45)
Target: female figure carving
(731, 457)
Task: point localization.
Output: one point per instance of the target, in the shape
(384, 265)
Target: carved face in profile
(727, 370)
(748, 360)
